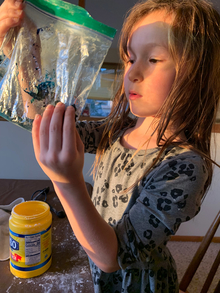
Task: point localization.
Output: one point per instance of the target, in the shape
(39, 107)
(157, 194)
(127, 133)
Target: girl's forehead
(153, 28)
(160, 16)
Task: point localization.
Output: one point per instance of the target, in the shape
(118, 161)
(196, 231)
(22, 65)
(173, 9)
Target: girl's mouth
(133, 95)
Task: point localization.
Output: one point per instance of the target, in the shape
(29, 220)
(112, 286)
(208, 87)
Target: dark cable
(42, 195)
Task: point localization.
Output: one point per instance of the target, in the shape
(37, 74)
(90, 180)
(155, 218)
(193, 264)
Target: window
(99, 101)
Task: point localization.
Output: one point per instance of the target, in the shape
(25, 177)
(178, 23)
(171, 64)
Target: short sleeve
(90, 133)
(170, 195)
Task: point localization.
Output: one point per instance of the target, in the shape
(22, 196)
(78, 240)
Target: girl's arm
(11, 17)
(60, 153)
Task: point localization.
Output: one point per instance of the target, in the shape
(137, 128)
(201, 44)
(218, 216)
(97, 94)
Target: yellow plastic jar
(30, 239)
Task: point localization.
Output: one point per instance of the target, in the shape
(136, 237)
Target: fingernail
(37, 116)
(15, 19)
(59, 104)
(18, 3)
(49, 107)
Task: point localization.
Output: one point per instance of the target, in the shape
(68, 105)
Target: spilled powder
(69, 272)
(50, 282)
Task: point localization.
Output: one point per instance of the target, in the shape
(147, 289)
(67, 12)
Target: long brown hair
(194, 44)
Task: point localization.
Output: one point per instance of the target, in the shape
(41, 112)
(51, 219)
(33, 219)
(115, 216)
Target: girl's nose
(135, 73)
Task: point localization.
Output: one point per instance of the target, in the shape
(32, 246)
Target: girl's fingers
(69, 140)
(72, 144)
(11, 11)
(9, 20)
(57, 145)
(36, 135)
(14, 3)
(55, 130)
(18, 3)
(79, 144)
(44, 129)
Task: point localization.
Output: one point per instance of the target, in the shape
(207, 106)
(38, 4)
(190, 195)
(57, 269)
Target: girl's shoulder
(177, 167)
(177, 156)
(181, 154)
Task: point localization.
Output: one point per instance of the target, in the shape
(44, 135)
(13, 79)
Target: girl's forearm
(94, 234)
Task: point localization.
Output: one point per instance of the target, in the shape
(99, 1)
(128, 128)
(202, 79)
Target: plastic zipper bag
(56, 55)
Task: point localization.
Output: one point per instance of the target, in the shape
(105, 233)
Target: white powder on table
(74, 277)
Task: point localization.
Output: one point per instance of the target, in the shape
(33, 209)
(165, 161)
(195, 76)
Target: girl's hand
(60, 152)
(57, 145)
(11, 15)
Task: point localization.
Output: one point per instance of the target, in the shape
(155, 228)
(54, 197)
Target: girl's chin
(143, 115)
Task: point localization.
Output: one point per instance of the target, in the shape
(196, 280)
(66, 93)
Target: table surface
(70, 270)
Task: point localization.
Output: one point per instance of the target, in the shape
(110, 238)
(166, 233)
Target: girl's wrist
(74, 187)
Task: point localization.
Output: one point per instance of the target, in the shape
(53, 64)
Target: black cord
(42, 195)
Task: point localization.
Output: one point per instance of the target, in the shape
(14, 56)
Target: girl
(151, 171)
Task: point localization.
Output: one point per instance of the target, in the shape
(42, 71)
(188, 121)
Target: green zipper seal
(73, 13)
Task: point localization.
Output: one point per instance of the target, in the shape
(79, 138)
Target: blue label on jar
(14, 244)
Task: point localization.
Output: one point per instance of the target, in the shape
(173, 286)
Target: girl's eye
(153, 60)
(130, 61)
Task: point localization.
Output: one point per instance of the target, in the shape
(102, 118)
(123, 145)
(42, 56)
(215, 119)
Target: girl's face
(150, 70)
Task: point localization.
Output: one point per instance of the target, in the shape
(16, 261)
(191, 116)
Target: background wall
(16, 152)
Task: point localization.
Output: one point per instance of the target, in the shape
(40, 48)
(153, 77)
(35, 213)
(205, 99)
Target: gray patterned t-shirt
(145, 217)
